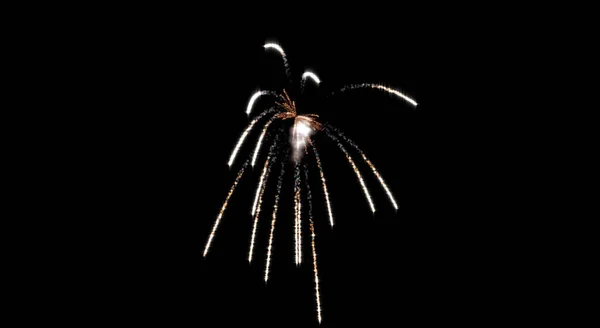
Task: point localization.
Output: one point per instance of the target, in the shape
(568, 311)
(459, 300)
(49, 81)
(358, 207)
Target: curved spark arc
(312, 75)
(244, 135)
(323, 182)
(259, 143)
(283, 56)
(216, 224)
(379, 86)
(274, 46)
(253, 99)
(349, 158)
(275, 208)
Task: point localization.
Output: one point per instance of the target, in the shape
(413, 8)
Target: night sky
(383, 270)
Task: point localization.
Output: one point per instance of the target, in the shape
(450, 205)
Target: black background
(175, 105)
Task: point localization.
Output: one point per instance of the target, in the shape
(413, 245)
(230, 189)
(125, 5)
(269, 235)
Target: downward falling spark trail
(323, 182)
(245, 134)
(275, 207)
(360, 179)
(379, 177)
(298, 211)
(260, 140)
(283, 56)
(312, 234)
(260, 185)
(381, 87)
(216, 225)
(316, 270)
(260, 192)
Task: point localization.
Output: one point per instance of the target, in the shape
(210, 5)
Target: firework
(303, 128)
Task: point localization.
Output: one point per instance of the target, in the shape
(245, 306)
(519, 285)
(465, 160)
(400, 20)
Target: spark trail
(275, 207)
(306, 75)
(216, 225)
(379, 177)
(262, 186)
(255, 97)
(381, 87)
(298, 214)
(260, 140)
(283, 56)
(349, 158)
(312, 75)
(323, 182)
(245, 134)
(316, 270)
(313, 246)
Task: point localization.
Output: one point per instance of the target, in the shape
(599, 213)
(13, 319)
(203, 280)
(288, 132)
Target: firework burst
(282, 108)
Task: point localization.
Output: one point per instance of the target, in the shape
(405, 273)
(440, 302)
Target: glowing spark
(323, 181)
(258, 144)
(253, 100)
(274, 46)
(275, 207)
(214, 229)
(312, 76)
(244, 135)
(397, 93)
(377, 86)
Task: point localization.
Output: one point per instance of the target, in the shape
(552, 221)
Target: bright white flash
(303, 129)
(253, 100)
(312, 76)
(274, 46)
(300, 133)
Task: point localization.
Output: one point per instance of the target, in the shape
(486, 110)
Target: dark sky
(387, 269)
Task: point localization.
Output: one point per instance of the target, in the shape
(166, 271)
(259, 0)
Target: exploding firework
(282, 109)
